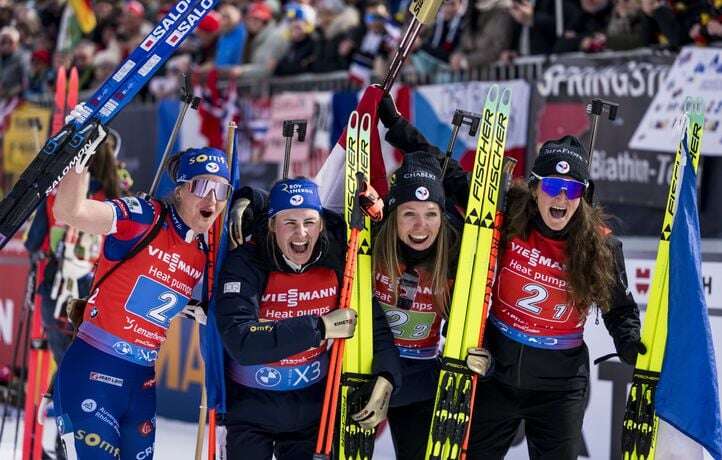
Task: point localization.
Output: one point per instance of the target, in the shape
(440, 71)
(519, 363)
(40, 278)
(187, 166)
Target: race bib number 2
(155, 302)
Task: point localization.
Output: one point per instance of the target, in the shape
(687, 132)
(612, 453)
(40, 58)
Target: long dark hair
(589, 262)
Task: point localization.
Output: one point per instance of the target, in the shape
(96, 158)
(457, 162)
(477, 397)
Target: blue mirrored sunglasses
(202, 187)
(553, 186)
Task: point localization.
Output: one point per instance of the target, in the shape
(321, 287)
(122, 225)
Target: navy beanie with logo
(299, 193)
(417, 179)
(566, 157)
(196, 162)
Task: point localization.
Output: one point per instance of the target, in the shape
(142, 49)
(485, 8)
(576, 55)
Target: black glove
(247, 204)
(388, 113)
(628, 351)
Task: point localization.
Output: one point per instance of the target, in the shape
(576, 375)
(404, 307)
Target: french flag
(687, 398)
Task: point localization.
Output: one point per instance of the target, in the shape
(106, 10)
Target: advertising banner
(696, 73)
(621, 175)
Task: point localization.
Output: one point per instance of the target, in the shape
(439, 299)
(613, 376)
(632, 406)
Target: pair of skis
(351, 359)
(639, 431)
(63, 150)
(449, 432)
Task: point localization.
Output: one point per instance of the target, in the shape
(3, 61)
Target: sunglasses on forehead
(553, 186)
(202, 187)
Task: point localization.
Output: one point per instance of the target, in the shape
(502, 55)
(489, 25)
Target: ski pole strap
(150, 236)
(75, 308)
(455, 365)
(357, 442)
(606, 357)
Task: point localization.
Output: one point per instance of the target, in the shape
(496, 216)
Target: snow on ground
(175, 440)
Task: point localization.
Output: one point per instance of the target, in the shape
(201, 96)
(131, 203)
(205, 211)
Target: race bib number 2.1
(155, 302)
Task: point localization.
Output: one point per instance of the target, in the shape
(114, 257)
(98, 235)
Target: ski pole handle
(289, 127)
(187, 100)
(596, 108)
(460, 118)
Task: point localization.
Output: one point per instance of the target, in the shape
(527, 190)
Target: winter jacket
(248, 268)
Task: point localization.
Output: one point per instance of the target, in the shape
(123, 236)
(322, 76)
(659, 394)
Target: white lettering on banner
(631, 167)
(7, 310)
(641, 271)
(637, 79)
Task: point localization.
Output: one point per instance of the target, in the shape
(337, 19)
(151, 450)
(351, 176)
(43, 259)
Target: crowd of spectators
(259, 38)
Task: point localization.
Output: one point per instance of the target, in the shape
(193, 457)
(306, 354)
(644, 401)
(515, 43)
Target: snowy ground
(174, 440)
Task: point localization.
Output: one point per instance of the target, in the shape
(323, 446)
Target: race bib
(155, 302)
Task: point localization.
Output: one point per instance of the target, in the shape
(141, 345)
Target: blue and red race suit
(105, 386)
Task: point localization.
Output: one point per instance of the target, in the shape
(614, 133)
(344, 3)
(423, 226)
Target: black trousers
(409, 426)
(248, 442)
(552, 420)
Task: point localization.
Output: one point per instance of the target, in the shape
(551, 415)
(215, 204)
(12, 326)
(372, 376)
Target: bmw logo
(89, 405)
(296, 200)
(122, 348)
(212, 168)
(268, 377)
(562, 167)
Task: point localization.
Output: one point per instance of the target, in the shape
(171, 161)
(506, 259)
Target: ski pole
(461, 117)
(289, 127)
(423, 12)
(333, 379)
(20, 340)
(187, 100)
(596, 108)
(214, 241)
